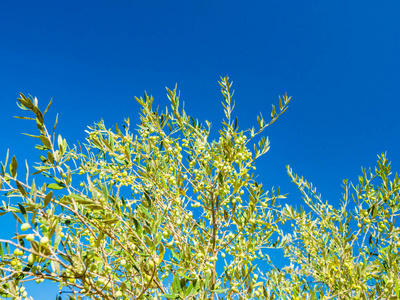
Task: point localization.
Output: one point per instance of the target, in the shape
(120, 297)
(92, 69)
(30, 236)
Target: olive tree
(165, 213)
(349, 252)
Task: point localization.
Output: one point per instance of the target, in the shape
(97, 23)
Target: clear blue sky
(338, 59)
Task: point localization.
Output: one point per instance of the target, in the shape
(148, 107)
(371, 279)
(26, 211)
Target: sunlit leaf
(56, 186)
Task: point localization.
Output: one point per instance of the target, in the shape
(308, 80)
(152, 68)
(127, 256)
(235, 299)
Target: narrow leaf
(13, 167)
(55, 186)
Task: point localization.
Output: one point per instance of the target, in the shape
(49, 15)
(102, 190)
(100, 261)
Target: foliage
(169, 214)
(163, 214)
(338, 254)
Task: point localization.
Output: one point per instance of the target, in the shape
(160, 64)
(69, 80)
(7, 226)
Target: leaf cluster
(163, 213)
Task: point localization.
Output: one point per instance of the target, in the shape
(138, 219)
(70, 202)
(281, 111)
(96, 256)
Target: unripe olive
(118, 294)
(25, 226)
(100, 281)
(30, 237)
(31, 259)
(44, 240)
(151, 264)
(18, 252)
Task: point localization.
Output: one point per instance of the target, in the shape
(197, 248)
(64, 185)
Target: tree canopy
(168, 213)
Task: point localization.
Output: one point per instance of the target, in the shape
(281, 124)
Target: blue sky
(338, 59)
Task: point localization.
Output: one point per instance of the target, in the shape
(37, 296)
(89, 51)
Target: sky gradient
(339, 60)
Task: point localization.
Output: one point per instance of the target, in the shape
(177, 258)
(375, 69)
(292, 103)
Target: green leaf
(110, 221)
(55, 123)
(176, 284)
(21, 106)
(220, 178)
(25, 101)
(139, 100)
(31, 135)
(23, 211)
(121, 161)
(77, 197)
(47, 199)
(34, 216)
(138, 226)
(56, 267)
(60, 143)
(161, 253)
(226, 215)
(24, 118)
(45, 141)
(59, 181)
(145, 211)
(42, 147)
(21, 189)
(48, 106)
(374, 211)
(50, 157)
(175, 255)
(56, 186)
(94, 207)
(13, 167)
(273, 112)
(221, 291)
(170, 296)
